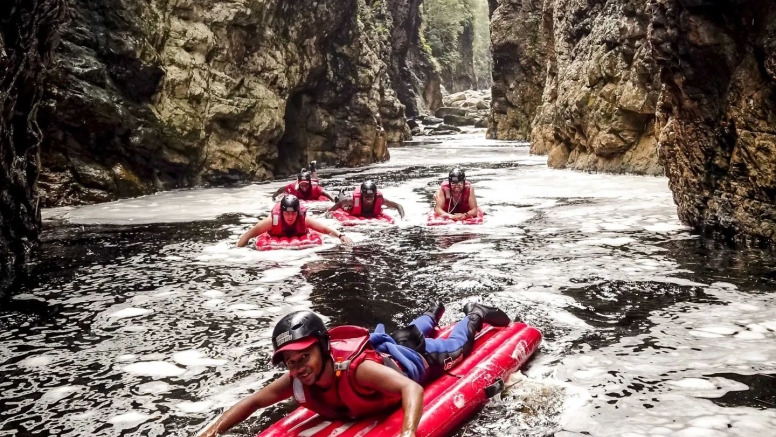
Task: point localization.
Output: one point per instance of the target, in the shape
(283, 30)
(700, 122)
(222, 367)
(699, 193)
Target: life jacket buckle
(341, 366)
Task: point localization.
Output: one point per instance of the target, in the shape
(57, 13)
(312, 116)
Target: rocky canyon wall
(413, 73)
(461, 75)
(156, 95)
(576, 78)
(716, 116)
(681, 87)
(27, 39)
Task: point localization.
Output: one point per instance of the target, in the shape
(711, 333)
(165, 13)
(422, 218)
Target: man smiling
(347, 373)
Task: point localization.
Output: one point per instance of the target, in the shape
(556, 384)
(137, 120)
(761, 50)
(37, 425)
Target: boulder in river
(456, 120)
(432, 120)
(446, 110)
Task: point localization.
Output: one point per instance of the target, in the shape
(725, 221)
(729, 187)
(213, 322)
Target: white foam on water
(59, 393)
(719, 329)
(666, 227)
(134, 328)
(83, 416)
(173, 206)
(196, 358)
(682, 371)
(213, 293)
(617, 241)
(241, 306)
(129, 312)
(252, 314)
(37, 361)
(279, 274)
(699, 432)
(130, 419)
(213, 303)
(694, 384)
(158, 369)
(194, 407)
(710, 422)
(154, 387)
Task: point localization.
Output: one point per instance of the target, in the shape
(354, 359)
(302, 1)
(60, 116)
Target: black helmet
(289, 203)
(296, 331)
(456, 175)
(304, 175)
(369, 187)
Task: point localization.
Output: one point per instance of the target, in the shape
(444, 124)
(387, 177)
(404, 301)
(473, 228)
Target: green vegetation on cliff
(457, 33)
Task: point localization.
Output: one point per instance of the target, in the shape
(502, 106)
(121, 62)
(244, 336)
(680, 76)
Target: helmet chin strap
(328, 359)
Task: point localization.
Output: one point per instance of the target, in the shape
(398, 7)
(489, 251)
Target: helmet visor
(298, 345)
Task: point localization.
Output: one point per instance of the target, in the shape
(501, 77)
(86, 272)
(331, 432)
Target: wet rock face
(28, 34)
(684, 87)
(599, 82)
(414, 76)
(157, 95)
(461, 75)
(715, 116)
(522, 42)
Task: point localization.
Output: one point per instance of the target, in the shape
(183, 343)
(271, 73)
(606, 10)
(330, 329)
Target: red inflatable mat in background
(266, 241)
(447, 402)
(319, 199)
(433, 220)
(348, 219)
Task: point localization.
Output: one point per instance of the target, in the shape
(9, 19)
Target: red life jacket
(313, 193)
(355, 209)
(463, 203)
(281, 229)
(349, 347)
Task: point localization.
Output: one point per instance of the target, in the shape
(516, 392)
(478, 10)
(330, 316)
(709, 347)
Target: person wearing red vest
(455, 198)
(367, 201)
(289, 219)
(347, 373)
(306, 187)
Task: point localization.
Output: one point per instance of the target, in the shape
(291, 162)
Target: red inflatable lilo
(447, 402)
(319, 199)
(266, 241)
(433, 220)
(352, 220)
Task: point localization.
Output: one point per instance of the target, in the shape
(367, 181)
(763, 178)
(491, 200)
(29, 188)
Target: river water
(140, 318)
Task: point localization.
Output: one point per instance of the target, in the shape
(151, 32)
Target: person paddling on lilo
(306, 186)
(455, 198)
(346, 373)
(366, 201)
(289, 219)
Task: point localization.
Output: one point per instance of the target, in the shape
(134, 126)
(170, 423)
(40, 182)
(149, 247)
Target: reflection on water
(139, 318)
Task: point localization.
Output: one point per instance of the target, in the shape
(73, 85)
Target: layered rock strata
(157, 95)
(28, 33)
(716, 116)
(576, 78)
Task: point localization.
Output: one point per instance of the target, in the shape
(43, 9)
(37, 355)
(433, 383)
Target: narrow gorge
(117, 98)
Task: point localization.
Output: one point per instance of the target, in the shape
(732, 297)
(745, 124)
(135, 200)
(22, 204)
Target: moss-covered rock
(207, 92)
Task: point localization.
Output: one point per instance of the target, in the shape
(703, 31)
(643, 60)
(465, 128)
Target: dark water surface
(139, 318)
